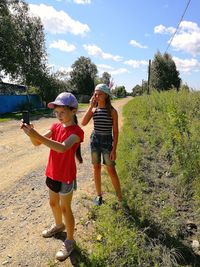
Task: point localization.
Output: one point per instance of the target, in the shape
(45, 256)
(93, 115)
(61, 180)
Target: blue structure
(13, 103)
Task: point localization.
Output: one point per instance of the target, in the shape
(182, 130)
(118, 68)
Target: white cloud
(136, 44)
(187, 38)
(164, 30)
(63, 46)
(94, 50)
(58, 21)
(136, 63)
(82, 2)
(112, 71)
(187, 65)
(105, 67)
(118, 71)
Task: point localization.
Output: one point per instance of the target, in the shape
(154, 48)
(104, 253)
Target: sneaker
(54, 229)
(98, 200)
(66, 250)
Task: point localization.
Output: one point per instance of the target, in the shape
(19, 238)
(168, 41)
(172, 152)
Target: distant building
(12, 89)
(15, 98)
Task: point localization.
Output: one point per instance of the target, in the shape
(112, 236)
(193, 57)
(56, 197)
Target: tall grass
(158, 164)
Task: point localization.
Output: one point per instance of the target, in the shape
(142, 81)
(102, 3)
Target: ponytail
(78, 150)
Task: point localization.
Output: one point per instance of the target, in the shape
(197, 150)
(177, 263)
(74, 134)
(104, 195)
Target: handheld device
(25, 117)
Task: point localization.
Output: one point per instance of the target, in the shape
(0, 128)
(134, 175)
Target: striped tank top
(102, 121)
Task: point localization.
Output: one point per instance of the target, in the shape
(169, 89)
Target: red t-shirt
(62, 166)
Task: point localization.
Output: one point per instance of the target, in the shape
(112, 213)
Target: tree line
(23, 57)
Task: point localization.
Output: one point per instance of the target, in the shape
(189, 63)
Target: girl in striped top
(104, 138)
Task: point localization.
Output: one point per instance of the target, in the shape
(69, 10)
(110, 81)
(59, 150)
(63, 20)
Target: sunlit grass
(158, 158)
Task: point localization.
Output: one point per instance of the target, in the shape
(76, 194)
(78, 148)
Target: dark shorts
(59, 187)
(101, 146)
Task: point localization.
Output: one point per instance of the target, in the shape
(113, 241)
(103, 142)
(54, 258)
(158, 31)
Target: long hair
(109, 107)
(78, 150)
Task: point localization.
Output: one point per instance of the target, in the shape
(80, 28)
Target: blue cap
(104, 88)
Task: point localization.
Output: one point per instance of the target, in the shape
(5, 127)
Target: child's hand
(27, 128)
(22, 124)
(93, 102)
(113, 155)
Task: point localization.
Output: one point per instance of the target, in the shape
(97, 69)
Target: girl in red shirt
(63, 139)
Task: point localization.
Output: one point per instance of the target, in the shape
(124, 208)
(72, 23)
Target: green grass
(18, 115)
(40, 112)
(158, 164)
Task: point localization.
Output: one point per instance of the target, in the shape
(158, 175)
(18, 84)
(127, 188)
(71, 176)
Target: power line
(178, 25)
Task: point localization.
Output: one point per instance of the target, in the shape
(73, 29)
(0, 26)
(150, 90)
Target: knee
(97, 167)
(53, 203)
(111, 170)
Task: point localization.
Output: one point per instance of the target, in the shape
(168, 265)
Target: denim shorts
(101, 146)
(61, 188)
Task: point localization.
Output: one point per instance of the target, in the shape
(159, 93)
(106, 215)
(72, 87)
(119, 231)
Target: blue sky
(120, 36)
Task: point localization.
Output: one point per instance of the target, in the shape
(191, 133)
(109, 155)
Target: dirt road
(24, 209)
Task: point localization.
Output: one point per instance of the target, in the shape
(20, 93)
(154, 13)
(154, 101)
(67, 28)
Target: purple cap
(64, 99)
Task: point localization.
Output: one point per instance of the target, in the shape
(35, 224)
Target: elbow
(61, 150)
(36, 143)
(83, 123)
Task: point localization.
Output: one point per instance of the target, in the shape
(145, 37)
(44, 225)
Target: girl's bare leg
(97, 178)
(115, 181)
(68, 215)
(54, 202)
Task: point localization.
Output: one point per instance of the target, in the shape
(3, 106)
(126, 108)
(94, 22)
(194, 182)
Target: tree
(119, 91)
(83, 75)
(137, 90)
(22, 48)
(185, 87)
(105, 78)
(164, 75)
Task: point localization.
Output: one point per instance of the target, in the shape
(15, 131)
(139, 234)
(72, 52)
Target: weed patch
(158, 164)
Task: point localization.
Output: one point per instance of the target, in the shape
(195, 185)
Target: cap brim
(108, 93)
(52, 104)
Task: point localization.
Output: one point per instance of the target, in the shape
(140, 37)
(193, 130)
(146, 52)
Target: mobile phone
(25, 117)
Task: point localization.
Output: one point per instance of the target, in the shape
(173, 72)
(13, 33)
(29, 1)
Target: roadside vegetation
(159, 163)
(44, 112)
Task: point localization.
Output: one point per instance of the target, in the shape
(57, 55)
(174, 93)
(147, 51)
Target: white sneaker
(54, 229)
(66, 250)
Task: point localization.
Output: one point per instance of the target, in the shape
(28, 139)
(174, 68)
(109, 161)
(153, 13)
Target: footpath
(24, 208)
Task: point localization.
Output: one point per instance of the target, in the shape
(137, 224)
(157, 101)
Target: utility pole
(149, 74)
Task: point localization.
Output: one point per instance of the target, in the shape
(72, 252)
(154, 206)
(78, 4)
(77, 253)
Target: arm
(54, 145)
(89, 113)
(36, 142)
(115, 134)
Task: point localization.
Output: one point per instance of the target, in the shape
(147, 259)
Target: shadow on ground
(183, 254)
